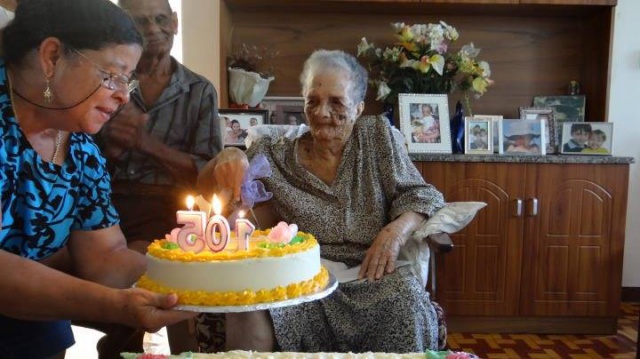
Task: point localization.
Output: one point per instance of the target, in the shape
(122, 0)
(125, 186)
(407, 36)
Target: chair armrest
(440, 242)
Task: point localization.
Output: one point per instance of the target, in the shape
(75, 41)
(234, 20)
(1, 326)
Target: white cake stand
(332, 284)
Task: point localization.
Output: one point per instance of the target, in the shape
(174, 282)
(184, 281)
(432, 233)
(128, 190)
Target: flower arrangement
(421, 62)
(253, 58)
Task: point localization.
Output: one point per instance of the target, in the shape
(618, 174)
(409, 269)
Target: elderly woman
(66, 69)
(350, 182)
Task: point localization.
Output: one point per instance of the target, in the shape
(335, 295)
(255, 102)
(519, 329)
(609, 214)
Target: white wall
(624, 97)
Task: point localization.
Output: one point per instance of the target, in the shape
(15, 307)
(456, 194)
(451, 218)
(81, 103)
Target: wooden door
(574, 244)
(481, 276)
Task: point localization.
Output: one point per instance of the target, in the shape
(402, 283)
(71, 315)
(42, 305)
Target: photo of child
(587, 138)
(579, 133)
(478, 137)
(425, 125)
(523, 137)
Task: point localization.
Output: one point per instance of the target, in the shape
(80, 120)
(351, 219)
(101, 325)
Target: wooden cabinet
(534, 47)
(544, 255)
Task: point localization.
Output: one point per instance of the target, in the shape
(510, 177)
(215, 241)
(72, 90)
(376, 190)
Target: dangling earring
(48, 95)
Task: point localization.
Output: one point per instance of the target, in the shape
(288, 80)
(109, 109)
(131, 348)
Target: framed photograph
(547, 114)
(522, 137)
(284, 110)
(424, 122)
(495, 120)
(567, 109)
(236, 121)
(478, 138)
(587, 138)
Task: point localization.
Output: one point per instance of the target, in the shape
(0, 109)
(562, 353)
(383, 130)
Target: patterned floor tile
(532, 346)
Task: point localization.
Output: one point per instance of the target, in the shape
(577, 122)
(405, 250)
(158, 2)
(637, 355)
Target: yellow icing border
(245, 297)
(156, 250)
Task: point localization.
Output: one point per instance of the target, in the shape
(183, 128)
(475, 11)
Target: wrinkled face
(595, 141)
(580, 136)
(77, 77)
(328, 107)
(157, 23)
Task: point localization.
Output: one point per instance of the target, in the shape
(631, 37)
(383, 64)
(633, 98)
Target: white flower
(469, 51)
(486, 70)
(363, 46)
(383, 91)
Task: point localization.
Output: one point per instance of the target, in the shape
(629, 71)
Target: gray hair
(336, 59)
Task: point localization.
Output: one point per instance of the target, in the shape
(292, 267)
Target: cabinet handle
(534, 207)
(518, 207)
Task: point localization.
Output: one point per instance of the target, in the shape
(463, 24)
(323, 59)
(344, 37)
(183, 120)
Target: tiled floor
(515, 346)
(487, 346)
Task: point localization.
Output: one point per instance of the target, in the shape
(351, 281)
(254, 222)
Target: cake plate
(332, 284)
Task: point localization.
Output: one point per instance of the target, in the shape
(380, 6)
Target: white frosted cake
(265, 272)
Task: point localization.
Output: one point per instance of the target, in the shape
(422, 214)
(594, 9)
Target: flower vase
(457, 129)
(388, 112)
(247, 88)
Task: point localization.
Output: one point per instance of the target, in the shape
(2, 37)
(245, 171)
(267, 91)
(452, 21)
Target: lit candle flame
(241, 214)
(217, 205)
(190, 202)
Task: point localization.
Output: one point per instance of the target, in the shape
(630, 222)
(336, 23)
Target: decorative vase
(247, 87)
(457, 129)
(388, 112)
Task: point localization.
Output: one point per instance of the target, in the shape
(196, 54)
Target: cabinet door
(481, 276)
(573, 261)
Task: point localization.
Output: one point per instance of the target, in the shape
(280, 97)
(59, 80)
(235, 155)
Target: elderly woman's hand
(223, 175)
(382, 255)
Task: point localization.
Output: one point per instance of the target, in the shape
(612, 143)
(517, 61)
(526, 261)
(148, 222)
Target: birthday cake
(267, 268)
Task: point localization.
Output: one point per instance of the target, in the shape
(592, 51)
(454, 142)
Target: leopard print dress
(376, 182)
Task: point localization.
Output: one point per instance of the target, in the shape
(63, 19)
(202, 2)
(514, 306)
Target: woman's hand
(223, 175)
(151, 311)
(382, 255)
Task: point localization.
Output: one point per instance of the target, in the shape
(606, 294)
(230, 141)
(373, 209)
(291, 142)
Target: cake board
(332, 284)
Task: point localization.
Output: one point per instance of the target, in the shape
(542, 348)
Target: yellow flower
(405, 66)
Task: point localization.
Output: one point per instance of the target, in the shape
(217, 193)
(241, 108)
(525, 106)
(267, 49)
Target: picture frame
(569, 108)
(281, 109)
(424, 122)
(597, 137)
(522, 137)
(547, 114)
(478, 138)
(495, 119)
(245, 119)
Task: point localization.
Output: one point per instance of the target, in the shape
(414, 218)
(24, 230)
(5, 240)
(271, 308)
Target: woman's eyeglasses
(114, 82)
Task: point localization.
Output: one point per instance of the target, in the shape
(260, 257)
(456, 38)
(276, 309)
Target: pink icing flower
(283, 233)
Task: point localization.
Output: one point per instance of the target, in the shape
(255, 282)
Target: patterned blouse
(43, 202)
(375, 183)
